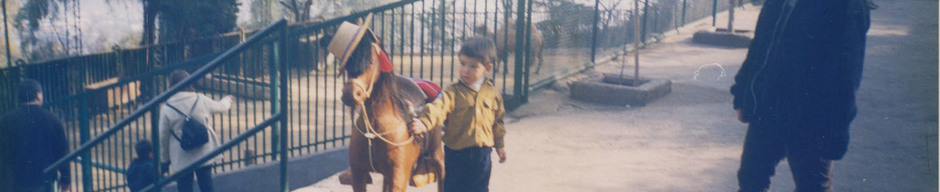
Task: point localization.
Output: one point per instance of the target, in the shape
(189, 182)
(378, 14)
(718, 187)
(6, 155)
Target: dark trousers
(468, 170)
(203, 174)
(766, 145)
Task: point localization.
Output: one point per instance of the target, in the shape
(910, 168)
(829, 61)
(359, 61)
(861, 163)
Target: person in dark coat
(796, 89)
(33, 139)
(143, 170)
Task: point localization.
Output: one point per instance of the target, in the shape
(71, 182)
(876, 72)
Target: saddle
(418, 92)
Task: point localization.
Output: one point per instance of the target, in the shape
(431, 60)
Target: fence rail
(107, 100)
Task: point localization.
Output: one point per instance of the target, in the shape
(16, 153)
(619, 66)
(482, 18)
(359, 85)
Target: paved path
(690, 140)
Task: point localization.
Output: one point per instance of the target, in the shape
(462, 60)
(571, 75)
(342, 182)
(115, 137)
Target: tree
(185, 20)
(28, 21)
(299, 8)
(731, 16)
(151, 7)
(9, 46)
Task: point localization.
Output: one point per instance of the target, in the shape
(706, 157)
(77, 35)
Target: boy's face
(472, 69)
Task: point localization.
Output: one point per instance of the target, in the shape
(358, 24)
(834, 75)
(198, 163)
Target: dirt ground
(690, 139)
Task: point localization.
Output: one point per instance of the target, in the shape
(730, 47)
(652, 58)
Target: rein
(370, 132)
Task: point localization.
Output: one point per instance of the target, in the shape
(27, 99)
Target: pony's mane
(386, 91)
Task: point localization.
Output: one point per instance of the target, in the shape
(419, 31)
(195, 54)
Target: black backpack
(195, 134)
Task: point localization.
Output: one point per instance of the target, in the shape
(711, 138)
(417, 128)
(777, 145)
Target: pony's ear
(385, 65)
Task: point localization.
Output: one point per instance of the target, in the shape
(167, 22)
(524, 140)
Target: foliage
(568, 23)
(28, 21)
(187, 19)
(34, 11)
(300, 9)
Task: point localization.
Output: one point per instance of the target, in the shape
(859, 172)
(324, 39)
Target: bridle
(369, 132)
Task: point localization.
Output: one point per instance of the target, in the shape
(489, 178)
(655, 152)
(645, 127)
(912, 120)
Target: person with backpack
(183, 118)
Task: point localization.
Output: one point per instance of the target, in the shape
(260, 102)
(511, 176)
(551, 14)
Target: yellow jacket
(471, 118)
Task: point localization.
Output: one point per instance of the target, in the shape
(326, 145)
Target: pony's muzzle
(352, 95)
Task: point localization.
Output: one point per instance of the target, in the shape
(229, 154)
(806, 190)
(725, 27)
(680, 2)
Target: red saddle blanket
(431, 90)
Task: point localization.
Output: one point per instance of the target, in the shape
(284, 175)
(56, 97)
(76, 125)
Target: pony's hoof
(346, 178)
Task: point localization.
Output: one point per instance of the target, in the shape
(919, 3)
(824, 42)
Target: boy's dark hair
(28, 90)
(178, 76)
(479, 48)
(143, 148)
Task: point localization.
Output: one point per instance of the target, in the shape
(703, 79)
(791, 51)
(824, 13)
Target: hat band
(349, 45)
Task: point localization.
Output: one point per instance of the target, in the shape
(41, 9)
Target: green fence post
(281, 64)
(274, 99)
(684, 5)
(85, 135)
(520, 65)
(714, 11)
(529, 53)
(155, 140)
(597, 15)
(646, 7)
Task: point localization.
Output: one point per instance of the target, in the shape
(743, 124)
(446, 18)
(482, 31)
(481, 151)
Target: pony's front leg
(397, 180)
(359, 180)
(359, 163)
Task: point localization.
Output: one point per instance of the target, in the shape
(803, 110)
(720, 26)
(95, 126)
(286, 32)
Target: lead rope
(370, 133)
(356, 124)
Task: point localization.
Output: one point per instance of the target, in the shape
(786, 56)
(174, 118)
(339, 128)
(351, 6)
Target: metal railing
(227, 146)
(265, 40)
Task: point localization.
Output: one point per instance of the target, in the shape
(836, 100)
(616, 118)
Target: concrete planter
(613, 90)
(723, 37)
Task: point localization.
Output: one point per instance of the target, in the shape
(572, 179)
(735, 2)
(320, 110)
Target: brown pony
(381, 142)
(505, 45)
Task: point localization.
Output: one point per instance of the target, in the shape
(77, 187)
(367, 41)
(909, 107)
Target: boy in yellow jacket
(471, 112)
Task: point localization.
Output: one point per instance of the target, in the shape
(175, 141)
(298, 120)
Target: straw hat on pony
(347, 37)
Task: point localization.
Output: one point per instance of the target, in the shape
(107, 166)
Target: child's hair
(143, 149)
(479, 48)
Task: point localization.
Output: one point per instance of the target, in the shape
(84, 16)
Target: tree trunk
(150, 16)
(731, 16)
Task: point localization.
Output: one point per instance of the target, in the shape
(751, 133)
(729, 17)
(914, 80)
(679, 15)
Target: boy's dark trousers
(203, 174)
(766, 145)
(468, 170)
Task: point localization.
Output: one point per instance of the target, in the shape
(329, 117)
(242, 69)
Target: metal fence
(75, 75)
(94, 93)
(107, 113)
